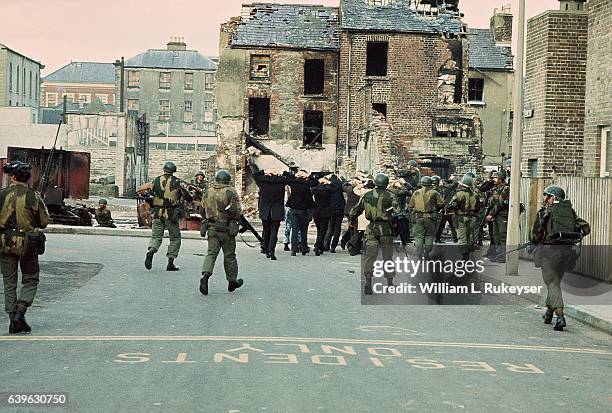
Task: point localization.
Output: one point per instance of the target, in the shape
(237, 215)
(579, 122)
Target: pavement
(294, 338)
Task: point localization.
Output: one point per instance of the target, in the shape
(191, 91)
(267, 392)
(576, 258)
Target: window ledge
(319, 147)
(261, 81)
(476, 103)
(379, 78)
(315, 96)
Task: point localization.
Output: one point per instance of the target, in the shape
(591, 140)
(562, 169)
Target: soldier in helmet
(463, 204)
(168, 198)
(498, 214)
(553, 253)
(412, 176)
(220, 219)
(448, 190)
(376, 204)
(199, 180)
(22, 214)
(425, 204)
(103, 214)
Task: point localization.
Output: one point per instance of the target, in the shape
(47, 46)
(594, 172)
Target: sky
(56, 32)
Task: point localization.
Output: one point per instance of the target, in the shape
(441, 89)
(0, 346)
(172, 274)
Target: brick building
(555, 84)
(81, 83)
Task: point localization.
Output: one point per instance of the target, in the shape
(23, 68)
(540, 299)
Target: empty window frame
(380, 108)
(133, 78)
(476, 90)
(188, 113)
(314, 76)
(313, 128)
(164, 80)
(533, 168)
(164, 110)
(376, 59)
(259, 116)
(260, 67)
(188, 81)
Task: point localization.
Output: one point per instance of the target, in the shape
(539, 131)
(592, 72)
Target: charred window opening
(314, 76)
(259, 116)
(475, 90)
(260, 67)
(376, 63)
(313, 128)
(380, 108)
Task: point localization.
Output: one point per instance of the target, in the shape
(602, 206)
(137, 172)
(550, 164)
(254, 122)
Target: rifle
(44, 181)
(246, 226)
(560, 238)
(401, 225)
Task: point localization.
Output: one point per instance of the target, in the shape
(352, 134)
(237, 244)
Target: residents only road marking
(492, 346)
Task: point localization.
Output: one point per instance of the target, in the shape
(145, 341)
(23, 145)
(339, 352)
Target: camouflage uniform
(464, 206)
(104, 218)
(379, 232)
(498, 209)
(425, 204)
(168, 197)
(21, 211)
(221, 210)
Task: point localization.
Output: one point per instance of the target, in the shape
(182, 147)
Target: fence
(592, 201)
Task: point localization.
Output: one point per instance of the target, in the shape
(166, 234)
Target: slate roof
(289, 25)
(394, 17)
(171, 59)
(485, 54)
(83, 72)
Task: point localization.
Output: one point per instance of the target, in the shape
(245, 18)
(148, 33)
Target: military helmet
(426, 181)
(412, 162)
(381, 180)
(200, 173)
(499, 174)
(435, 179)
(555, 191)
(477, 178)
(470, 174)
(223, 177)
(169, 166)
(509, 162)
(103, 201)
(467, 181)
(20, 170)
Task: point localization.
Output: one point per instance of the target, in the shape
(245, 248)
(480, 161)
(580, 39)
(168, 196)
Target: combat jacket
(498, 202)
(220, 204)
(464, 202)
(426, 202)
(103, 216)
(552, 219)
(377, 205)
(22, 208)
(168, 197)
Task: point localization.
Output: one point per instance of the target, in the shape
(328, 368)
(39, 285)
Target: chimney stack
(571, 5)
(176, 43)
(501, 25)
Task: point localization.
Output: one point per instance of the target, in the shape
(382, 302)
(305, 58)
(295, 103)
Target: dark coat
(271, 196)
(300, 197)
(323, 200)
(337, 198)
(351, 198)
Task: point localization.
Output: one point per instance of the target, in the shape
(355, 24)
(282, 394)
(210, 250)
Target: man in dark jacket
(332, 236)
(300, 201)
(271, 210)
(351, 200)
(322, 211)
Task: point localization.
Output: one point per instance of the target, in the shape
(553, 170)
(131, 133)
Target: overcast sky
(56, 32)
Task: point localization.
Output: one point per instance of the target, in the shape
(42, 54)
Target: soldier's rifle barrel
(45, 178)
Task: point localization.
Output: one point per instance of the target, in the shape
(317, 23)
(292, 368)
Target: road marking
(492, 346)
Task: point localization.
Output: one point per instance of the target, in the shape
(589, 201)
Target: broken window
(376, 64)
(259, 116)
(313, 128)
(164, 110)
(188, 81)
(314, 76)
(447, 79)
(260, 67)
(475, 90)
(380, 108)
(164, 80)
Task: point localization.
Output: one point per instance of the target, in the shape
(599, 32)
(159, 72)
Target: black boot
(465, 256)
(332, 250)
(273, 256)
(560, 323)
(204, 282)
(171, 266)
(286, 247)
(367, 288)
(390, 282)
(548, 315)
(317, 251)
(149, 259)
(12, 326)
(234, 285)
(18, 324)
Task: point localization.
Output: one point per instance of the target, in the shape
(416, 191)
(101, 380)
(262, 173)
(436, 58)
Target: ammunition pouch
(233, 227)
(20, 243)
(219, 226)
(35, 243)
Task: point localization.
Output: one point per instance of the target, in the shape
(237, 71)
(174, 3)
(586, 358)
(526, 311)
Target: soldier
(554, 254)
(199, 180)
(498, 214)
(103, 214)
(412, 177)
(448, 191)
(379, 232)
(168, 198)
(22, 214)
(221, 214)
(477, 229)
(425, 204)
(463, 204)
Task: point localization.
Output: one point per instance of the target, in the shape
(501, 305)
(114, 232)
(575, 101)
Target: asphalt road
(294, 338)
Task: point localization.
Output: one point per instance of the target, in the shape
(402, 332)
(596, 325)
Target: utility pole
(512, 241)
